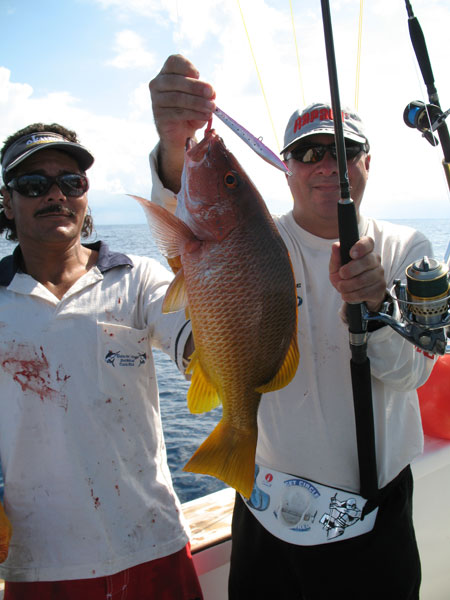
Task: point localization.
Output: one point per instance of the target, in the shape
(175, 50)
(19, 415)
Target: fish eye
(231, 180)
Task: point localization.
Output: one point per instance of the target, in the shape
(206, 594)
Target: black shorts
(381, 565)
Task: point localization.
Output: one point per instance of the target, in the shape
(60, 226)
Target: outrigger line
(348, 236)
(257, 72)
(296, 51)
(358, 55)
(256, 143)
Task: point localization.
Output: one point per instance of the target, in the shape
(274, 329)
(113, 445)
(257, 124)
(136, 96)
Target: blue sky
(87, 65)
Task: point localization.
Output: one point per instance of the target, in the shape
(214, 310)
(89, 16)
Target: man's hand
(181, 104)
(361, 279)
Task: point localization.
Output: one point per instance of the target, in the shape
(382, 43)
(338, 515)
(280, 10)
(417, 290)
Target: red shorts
(169, 578)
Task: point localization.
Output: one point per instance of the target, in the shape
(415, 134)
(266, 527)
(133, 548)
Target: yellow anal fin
(287, 371)
(228, 454)
(176, 297)
(5, 534)
(202, 395)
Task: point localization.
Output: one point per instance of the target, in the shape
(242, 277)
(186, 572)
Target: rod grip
(349, 235)
(348, 229)
(420, 49)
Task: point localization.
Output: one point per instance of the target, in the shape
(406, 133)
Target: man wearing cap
(87, 487)
(314, 536)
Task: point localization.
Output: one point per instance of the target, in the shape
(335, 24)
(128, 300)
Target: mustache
(53, 209)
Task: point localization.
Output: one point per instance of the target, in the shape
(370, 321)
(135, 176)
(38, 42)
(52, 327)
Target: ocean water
(183, 431)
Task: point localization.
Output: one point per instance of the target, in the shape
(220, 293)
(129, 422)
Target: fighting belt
(306, 513)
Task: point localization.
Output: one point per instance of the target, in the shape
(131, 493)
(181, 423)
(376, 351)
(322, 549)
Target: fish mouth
(197, 152)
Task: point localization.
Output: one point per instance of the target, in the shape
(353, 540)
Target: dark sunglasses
(314, 153)
(34, 184)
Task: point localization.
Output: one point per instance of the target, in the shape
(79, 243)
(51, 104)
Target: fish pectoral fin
(176, 296)
(202, 396)
(5, 534)
(228, 454)
(172, 236)
(287, 371)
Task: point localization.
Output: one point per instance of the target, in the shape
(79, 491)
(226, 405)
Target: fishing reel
(424, 306)
(426, 118)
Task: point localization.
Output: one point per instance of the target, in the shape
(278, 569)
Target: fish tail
(228, 454)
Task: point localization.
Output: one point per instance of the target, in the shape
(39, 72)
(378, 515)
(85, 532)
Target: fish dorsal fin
(176, 297)
(202, 395)
(171, 234)
(287, 371)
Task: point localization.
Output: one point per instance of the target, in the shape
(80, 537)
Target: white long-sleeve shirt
(308, 428)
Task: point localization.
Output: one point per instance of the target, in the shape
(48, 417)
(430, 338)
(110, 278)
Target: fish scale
(220, 318)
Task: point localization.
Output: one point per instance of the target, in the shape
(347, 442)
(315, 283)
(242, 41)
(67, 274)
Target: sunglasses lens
(314, 154)
(352, 151)
(30, 185)
(73, 184)
(34, 184)
(308, 155)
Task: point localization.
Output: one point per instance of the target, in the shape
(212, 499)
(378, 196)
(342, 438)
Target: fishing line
(358, 54)
(259, 76)
(296, 51)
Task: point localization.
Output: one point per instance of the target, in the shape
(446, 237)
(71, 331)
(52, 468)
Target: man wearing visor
(87, 487)
(305, 518)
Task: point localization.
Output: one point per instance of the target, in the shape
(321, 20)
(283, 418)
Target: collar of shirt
(107, 260)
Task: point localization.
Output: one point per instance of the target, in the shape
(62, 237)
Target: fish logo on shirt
(125, 360)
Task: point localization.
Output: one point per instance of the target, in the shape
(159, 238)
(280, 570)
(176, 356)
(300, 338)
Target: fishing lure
(255, 144)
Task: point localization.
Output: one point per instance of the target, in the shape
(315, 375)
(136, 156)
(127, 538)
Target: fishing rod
(424, 301)
(348, 236)
(427, 118)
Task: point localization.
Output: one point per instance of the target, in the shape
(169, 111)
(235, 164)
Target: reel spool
(428, 291)
(424, 304)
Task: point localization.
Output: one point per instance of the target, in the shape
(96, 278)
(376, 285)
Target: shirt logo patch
(117, 359)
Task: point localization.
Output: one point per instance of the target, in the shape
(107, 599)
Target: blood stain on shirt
(96, 499)
(31, 370)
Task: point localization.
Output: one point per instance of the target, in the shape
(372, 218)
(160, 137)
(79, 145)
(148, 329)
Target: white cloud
(120, 145)
(131, 52)
(10, 92)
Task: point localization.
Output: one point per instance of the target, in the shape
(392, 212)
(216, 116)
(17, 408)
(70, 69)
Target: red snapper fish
(235, 280)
